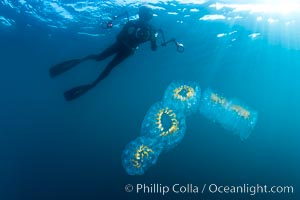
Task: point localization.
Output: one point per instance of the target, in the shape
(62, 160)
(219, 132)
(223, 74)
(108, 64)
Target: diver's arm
(153, 41)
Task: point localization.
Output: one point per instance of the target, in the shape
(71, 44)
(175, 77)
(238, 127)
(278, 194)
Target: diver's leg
(104, 54)
(80, 90)
(115, 61)
(69, 64)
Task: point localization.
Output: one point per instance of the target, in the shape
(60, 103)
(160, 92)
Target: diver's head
(145, 13)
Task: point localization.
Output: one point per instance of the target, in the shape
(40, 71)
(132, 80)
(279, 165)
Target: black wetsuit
(133, 34)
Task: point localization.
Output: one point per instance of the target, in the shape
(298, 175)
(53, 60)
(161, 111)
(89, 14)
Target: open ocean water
(51, 149)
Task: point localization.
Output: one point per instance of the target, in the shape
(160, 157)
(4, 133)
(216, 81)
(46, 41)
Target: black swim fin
(63, 67)
(76, 92)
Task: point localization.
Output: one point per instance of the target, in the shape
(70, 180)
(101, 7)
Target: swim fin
(63, 67)
(76, 92)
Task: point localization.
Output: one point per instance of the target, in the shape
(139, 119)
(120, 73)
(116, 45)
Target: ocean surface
(51, 149)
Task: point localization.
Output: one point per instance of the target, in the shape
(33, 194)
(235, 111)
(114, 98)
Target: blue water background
(53, 149)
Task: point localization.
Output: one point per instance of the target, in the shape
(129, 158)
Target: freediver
(134, 33)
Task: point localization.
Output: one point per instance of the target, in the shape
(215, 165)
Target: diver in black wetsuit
(133, 34)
